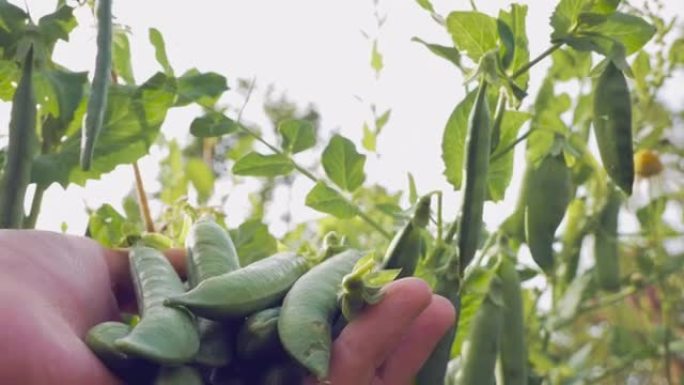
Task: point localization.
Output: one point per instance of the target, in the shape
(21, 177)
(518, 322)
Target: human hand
(54, 288)
(389, 342)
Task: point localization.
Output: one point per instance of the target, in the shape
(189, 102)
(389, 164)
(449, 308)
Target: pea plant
(560, 293)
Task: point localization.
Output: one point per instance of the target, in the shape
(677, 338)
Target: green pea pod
(179, 375)
(304, 325)
(20, 149)
(100, 339)
(97, 103)
(245, 291)
(164, 335)
(215, 343)
(406, 247)
(258, 336)
(512, 368)
(606, 245)
(613, 126)
(548, 196)
(480, 349)
(476, 166)
(573, 236)
(210, 253)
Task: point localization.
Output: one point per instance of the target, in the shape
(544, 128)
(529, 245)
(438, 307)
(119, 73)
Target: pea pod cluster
(267, 323)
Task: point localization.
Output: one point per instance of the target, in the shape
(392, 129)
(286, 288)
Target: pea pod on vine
(407, 245)
(476, 166)
(97, 104)
(20, 150)
(606, 244)
(547, 197)
(613, 126)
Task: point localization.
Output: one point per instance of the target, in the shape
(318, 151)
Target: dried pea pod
(476, 166)
(97, 103)
(245, 291)
(164, 335)
(512, 368)
(405, 249)
(548, 195)
(606, 244)
(613, 126)
(20, 149)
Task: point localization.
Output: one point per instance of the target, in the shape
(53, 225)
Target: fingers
(366, 342)
(419, 341)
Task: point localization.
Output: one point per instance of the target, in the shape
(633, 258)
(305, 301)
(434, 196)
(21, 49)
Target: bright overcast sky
(314, 51)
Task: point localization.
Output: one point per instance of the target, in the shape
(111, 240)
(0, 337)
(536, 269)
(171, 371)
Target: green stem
(30, 221)
(511, 146)
(370, 221)
(536, 60)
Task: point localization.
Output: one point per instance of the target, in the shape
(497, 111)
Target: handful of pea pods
(270, 322)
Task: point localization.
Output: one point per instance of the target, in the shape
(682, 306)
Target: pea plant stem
(536, 60)
(308, 174)
(30, 220)
(142, 200)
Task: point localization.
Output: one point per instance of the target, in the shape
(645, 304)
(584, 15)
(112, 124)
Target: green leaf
(677, 52)
(202, 178)
(426, 5)
(501, 169)
(450, 54)
(381, 121)
(516, 20)
(376, 58)
(605, 6)
(212, 124)
(9, 75)
(172, 175)
(255, 164)
(565, 16)
(632, 31)
(157, 41)
(343, 164)
(474, 33)
(201, 88)
(121, 55)
(327, 200)
(546, 122)
(413, 193)
(475, 290)
(298, 135)
(369, 139)
(131, 125)
(56, 26)
(507, 48)
(253, 241)
(65, 104)
(108, 227)
(569, 64)
(453, 141)
(13, 22)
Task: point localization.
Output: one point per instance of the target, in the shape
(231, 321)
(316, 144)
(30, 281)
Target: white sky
(314, 51)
